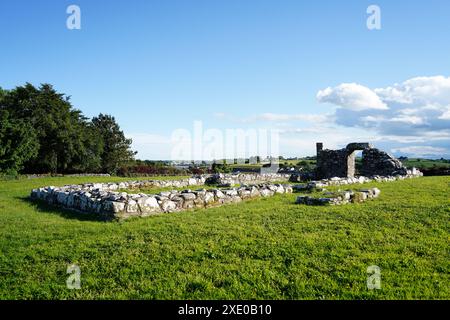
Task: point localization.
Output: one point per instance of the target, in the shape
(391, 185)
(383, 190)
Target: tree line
(41, 132)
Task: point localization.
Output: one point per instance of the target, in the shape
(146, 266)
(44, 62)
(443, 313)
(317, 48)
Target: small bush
(9, 175)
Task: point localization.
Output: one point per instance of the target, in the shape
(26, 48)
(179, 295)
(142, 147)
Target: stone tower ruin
(341, 163)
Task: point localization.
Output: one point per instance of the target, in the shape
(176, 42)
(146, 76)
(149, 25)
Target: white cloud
(352, 96)
(302, 141)
(292, 117)
(373, 119)
(415, 108)
(415, 120)
(277, 117)
(420, 90)
(408, 119)
(445, 115)
(421, 151)
(427, 137)
(314, 130)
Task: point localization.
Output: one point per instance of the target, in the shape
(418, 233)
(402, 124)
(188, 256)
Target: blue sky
(311, 69)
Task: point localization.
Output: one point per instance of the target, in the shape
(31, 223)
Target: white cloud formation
(413, 108)
(293, 117)
(414, 120)
(435, 137)
(352, 96)
(420, 151)
(277, 117)
(302, 141)
(445, 115)
(415, 111)
(420, 90)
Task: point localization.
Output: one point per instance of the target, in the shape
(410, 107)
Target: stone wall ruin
(99, 199)
(341, 163)
(334, 167)
(108, 202)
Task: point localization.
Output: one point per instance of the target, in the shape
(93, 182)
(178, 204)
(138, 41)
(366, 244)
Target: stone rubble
(247, 178)
(378, 162)
(340, 197)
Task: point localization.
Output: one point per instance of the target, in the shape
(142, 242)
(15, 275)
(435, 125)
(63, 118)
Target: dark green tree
(2, 94)
(18, 143)
(116, 148)
(42, 132)
(66, 140)
(55, 122)
(221, 168)
(87, 148)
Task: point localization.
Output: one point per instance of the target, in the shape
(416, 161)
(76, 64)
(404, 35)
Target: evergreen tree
(18, 143)
(54, 122)
(41, 132)
(116, 148)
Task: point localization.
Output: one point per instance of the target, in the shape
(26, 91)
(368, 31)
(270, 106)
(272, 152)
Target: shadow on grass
(42, 206)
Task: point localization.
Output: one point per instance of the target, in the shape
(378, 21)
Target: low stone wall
(198, 180)
(141, 184)
(93, 198)
(355, 180)
(340, 197)
(247, 178)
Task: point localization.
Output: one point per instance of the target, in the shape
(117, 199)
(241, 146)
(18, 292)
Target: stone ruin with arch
(341, 163)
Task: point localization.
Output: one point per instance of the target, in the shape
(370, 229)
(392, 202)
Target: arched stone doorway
(341, 163)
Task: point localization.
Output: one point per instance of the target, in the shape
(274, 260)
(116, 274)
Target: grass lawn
(261, 249)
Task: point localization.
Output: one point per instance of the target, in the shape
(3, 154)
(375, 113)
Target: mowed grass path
(261, 249)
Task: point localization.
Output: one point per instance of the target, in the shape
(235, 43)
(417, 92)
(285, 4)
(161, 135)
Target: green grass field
(261, 249)
(425, 163)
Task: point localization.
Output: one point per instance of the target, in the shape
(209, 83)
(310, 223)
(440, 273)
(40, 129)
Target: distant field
(246, 165)
(425, 163)
(295, 162)
(260, 249)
